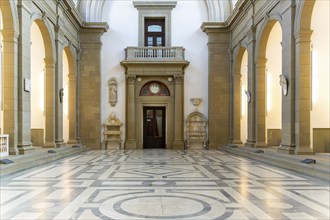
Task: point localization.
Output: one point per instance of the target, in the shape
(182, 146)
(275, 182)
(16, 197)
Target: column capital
(49, 62)
(131, 79)
(303, 35)
(9, 35)
(178, 78)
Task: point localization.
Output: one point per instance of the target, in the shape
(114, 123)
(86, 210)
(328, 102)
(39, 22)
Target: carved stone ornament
(113, 87)
(284, 85)
(248, 96)
(196, 101)
(112, 133)
(196, 131)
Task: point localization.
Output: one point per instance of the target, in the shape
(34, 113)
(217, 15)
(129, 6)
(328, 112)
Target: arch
(47, 34)
(263, 35)
(303, 34)
(237, 96)
(262, 81)
(304, 15)
(160, 89)
(9, 15)
(71, 94)
(49, 78)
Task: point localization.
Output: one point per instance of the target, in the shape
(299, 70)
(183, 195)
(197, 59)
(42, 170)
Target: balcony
(154, 54)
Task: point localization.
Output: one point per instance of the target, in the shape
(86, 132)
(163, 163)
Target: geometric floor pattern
(162, 184)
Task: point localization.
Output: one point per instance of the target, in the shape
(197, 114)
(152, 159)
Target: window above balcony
(154, 22)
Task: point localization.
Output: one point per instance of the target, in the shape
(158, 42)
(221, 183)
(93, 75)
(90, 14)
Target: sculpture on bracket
(61, 94)
(112, 133)
(248, 96)
(113, 87)
(196, 132)
(284, 85)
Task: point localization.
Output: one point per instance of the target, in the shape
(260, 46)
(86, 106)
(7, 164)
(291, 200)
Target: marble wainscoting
(161, 184)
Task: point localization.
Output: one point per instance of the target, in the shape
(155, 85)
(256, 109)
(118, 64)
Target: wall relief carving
(196, 133)
(112, 132)
(113, 88)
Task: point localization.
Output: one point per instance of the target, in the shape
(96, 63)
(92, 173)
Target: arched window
(154, 88)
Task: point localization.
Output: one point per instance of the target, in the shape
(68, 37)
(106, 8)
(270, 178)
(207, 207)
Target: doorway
(154, 127)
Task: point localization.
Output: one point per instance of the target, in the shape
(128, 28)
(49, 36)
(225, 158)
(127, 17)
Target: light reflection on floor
(161, 184)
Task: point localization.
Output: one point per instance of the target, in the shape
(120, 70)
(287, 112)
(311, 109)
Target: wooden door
(154, 127)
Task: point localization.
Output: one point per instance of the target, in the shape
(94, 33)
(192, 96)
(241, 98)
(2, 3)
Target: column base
(178, 145)
(250, 144)
(261, 145)
(130, 145)
(72, 141)
(13, 151)
(49, 145)
(304, 151)
(286, 149)
(26, 150)
(236, 142)
(60, 144)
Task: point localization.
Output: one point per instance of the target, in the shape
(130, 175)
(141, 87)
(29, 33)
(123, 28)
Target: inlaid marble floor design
(161, 184)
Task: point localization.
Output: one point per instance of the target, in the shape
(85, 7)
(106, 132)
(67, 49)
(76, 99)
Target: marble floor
(161, 184)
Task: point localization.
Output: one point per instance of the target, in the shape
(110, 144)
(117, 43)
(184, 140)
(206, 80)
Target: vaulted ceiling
(217, 10)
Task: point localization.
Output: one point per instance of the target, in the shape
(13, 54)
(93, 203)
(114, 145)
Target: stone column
(49, 103)
(288, 71)
(24, 104)
(252, 84)
(77, 98)
(261, 102)
(72, 108)
(303, 92)
(178, 143)
(130, 113)
(10, 84)
(58, 87)
(90, 84)
(218, 78)
(237, 108)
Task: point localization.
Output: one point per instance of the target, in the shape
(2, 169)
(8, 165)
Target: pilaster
(10, 85)
(49, 103)
(303, 94)
(178, 142)
(72, 108)
(130, 113)
(59, 142)
(24, 105)
(90, 84)
(219, 82)
(252, 87)
(236, 99)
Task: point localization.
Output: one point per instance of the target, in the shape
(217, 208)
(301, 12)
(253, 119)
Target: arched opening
(69, 98)
(65, 97)
(244, 99)
(37, 86)
(320, 92)
(273, 88)
(1, 76)
(154, 88)
(269, 92)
